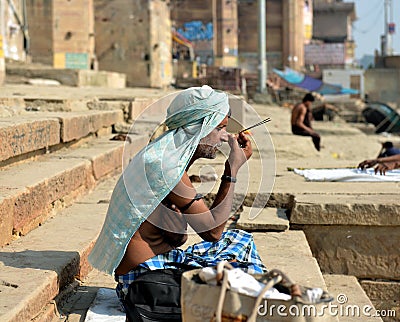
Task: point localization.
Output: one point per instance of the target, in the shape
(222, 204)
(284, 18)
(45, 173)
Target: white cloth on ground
(348, 175)
(105, 307)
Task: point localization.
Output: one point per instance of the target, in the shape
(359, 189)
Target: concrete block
(6, 220)
(22, 135)
(101, 78)
(266, 219)
(385, 295)
(350, 300)
(139, 106)
(292, 243)
(301, 270)
(105, 157)
(78, 125)
(289, 252)
(336, 209)
(32, 190)
(31, 208)
(382, 290)
(72, 77)
(361, 251)
(22, 306)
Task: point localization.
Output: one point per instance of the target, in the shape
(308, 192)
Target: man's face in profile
(209, 145)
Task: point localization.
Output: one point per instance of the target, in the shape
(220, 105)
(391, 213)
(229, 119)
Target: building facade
(332, 44)
(61, 33)
(134, 38)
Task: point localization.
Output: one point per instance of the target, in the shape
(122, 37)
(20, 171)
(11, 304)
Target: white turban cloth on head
(156, 170)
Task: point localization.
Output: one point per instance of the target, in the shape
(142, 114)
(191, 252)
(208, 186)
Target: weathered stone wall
(61, 32)
(363, 251)
(40, 22)
(134, 37)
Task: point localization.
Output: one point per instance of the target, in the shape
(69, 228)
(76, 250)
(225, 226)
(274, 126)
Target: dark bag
(155, 295)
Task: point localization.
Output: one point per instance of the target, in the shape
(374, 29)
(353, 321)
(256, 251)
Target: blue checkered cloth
(234, 244)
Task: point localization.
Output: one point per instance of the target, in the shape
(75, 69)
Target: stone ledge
(40, 130)
(362, 251)
(289, 252)
(38, 265)
(359, 210)
(24, 134)
(71, 77)
(101, 79)
(107, 155)
(76, 125)
(31, 191)
(382, 290)
(348, 296)
(266, 219)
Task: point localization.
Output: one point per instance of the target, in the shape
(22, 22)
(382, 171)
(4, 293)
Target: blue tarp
(196, 30)
(312, 84)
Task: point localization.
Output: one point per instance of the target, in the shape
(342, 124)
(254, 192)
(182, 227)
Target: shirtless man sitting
(154, 200)
(301, 120)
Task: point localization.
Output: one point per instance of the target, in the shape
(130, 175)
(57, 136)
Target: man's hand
(241, 150)
(367, 164)
(382, 167)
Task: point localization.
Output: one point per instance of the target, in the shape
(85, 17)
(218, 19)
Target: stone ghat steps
(41, 74)
(37, 131)
(350, 303)
(57, 173)
(49, 261)
(33, 191)
(47, 159)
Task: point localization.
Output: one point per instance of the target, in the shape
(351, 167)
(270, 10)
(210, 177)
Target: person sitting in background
(301, 120)
(382, 164)
(388, 150)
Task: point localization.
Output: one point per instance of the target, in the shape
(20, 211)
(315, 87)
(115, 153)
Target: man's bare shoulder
(299, 106)
(298, 109)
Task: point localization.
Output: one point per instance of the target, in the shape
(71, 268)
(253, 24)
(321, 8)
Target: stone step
(75, 307)
(263, 219)
(42, 130)
(35, 268)
(385, 295)
(352, 234)
(339, 209)
(289, 252)
(350, 301)
(33, 191)
(69, 77)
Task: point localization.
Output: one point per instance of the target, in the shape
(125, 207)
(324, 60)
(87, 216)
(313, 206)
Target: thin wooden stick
(257, 124)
